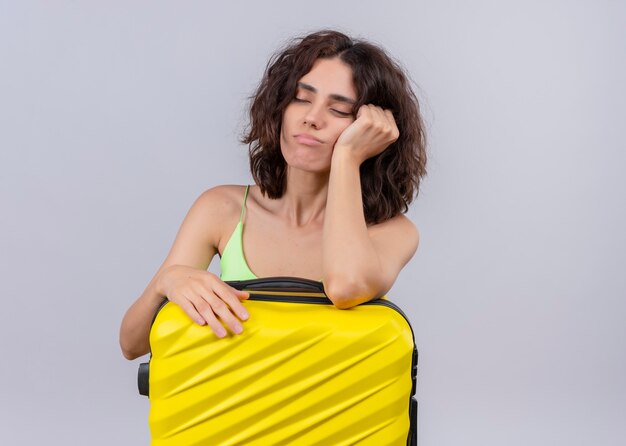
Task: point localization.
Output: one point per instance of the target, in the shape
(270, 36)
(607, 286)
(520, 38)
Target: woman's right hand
(204, 297)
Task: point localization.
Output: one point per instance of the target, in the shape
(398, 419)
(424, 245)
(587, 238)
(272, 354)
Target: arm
(361, 263)
(184, 280)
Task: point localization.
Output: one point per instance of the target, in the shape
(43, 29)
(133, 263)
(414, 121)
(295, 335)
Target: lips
(309, 140)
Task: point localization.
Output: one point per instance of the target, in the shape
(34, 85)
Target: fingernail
(244, 315)
(238, 329)
(221, 333)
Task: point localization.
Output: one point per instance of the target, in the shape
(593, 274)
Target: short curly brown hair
(390, 180)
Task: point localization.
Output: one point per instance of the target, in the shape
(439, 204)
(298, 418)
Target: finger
(215, 325)
(363, 111)
(191, 311)
(389, 117)
(379, 119)
(223, 292)
(394, 125)
(204, 308)
(223, 312)
(390, 126)
(381, 116)
(231, 296)
(375, 111)
(242, 294)
(207, 312)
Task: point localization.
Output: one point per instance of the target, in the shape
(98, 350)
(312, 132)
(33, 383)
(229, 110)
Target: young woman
(337, 151)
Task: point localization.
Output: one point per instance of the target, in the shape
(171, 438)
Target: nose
(313, 116)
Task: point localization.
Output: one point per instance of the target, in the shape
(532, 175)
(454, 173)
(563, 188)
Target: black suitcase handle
(284, 283)
(143, 379)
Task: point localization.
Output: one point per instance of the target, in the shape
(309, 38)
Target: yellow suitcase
(302, 373)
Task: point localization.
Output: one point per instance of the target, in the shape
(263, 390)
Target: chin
(313, 164)
(310, 167)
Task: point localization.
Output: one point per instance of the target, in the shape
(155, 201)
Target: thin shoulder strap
(243, 206)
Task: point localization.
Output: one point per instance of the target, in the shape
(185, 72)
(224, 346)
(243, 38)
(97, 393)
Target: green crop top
(233, 262)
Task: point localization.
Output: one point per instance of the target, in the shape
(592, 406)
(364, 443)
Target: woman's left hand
(372, 132)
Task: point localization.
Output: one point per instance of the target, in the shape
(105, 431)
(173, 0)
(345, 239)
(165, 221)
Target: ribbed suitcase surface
(302, 373)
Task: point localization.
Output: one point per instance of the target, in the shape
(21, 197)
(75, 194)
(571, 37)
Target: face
(320, 110)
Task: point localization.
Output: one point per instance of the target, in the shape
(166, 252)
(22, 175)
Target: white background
(115, 116)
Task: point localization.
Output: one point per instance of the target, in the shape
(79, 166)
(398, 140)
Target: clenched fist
(372, 132)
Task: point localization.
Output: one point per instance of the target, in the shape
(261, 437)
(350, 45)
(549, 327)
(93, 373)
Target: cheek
(284, 128)
(288, 114)
(340, 129)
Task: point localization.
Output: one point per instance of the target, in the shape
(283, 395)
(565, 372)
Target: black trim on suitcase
(143, 378)
(283, 283)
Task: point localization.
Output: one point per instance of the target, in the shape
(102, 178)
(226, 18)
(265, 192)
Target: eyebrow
(336, 97)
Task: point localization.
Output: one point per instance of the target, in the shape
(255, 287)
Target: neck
(304, 201)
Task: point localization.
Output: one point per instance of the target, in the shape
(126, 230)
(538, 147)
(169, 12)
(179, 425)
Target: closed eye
(341, 113)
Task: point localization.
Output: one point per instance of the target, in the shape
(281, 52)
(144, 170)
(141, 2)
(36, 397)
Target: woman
(337, 151)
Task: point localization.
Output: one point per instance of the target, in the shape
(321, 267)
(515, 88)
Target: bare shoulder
(219, 208)
(400, 225)
(198, 238)
(208, 219)
(397, 237)
(395, 242)
(222, 199)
